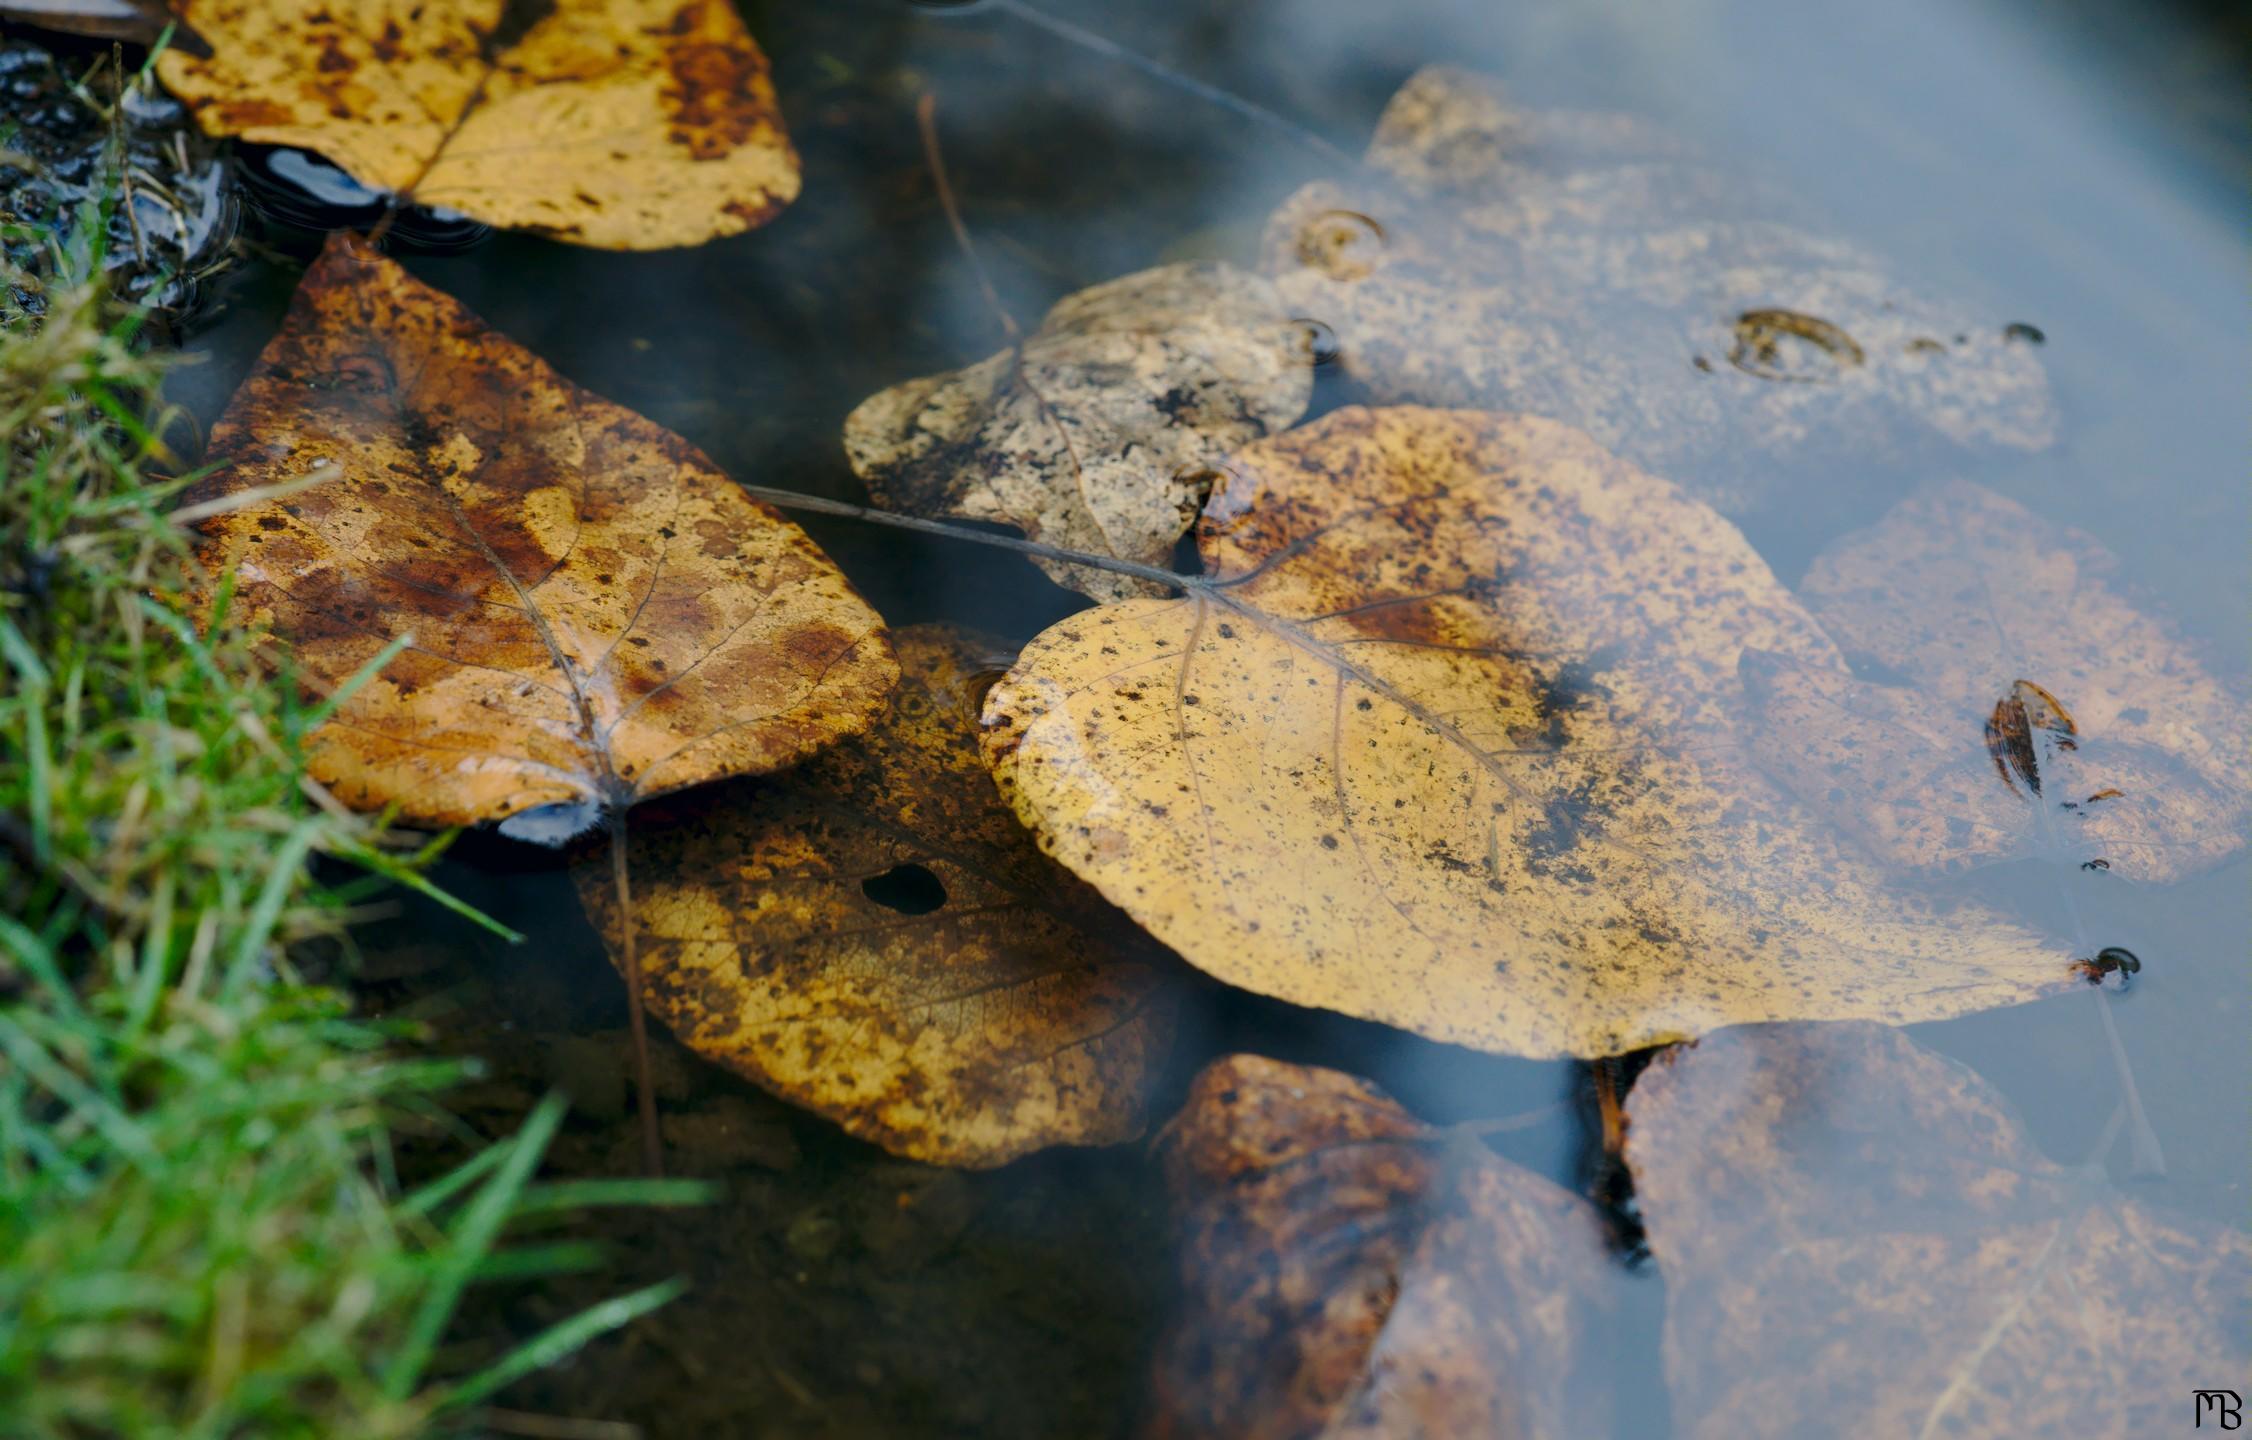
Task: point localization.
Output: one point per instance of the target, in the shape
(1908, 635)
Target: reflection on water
(2006, 154)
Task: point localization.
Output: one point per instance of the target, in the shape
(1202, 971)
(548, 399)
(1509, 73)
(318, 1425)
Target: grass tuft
(201, 1231)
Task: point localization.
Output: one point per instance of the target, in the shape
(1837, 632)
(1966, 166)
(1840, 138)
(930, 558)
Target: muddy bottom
(834, 1290)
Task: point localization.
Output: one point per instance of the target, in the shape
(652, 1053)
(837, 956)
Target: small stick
(1607, 1102)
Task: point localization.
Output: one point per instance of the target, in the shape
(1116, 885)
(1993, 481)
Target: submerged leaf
(2038, 711)
(1593, 269)
(1352, 1274)
(873, 936)
(1099, 431)
(593, 613)
(621, 124)
(1449, 741)
(1852, 1226)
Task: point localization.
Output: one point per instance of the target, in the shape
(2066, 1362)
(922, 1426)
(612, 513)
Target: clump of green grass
(201, 1232)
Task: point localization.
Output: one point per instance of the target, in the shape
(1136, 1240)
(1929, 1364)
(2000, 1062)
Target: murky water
(2081, 169)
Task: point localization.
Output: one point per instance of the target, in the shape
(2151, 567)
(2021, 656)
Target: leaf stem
(1156, 575)
(652, 1144)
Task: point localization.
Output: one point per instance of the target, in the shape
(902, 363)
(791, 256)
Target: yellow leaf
(1348, 1272)
(874, 936)
(1449, 740)
(1593, 268)
(1840, 1213)
(620, 124)
(594, 614)
(1980, 613)
(1099, 432)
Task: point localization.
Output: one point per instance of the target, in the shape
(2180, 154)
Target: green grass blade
(558, 1341)
(472, 1238)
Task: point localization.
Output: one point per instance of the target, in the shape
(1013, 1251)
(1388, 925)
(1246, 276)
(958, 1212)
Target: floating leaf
(874, 937)
(1349, 1273)
(596, 614)
(1854, 1230)
(1593, 269)
(621, 124)
(1099, 431)
(2035, 709)
(1448, 740)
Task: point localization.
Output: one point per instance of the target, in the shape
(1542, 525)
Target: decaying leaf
(597, 614)
(874, 937)
(2037, 710)
(1099, 431)
(1449, 740)
(1856, 1232)
(1593, 269)
(1349, 1273)
(621, 124)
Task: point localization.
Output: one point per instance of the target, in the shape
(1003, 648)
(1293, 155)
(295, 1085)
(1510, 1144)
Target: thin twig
(792, 500)
(1212, 94)
(926, 120)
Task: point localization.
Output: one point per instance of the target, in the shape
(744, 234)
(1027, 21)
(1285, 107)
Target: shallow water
(2083, 169)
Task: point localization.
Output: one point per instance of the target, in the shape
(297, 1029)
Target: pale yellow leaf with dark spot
(1958, 598)
(874, 936)
(1098, 432)
(1857, 1233)
(620, 124)
(1595, 269)
(595, 614)
(1449, 740)
(1347, 1272)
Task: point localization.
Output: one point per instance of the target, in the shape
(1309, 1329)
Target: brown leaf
(1099, 432)
(1852, 1228)
(1448, 739)
(875, 937)
(1351, 1274)
(596, 614)
(1593, 269)
(2136, 754)
(620, 124)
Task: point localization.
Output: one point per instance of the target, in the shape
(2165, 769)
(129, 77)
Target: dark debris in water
(300, 197)
(68, 115)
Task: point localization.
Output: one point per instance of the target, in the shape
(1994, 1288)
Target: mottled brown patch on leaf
(875, 937)
(1451, 740)
(1347, 1272)
(1595, 269)
(518, 529)
(1853, 1228)
(2033, 707)
(1099, 431)
(620, 124)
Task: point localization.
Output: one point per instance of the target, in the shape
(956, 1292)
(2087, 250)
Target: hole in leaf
(909, 889)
